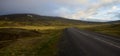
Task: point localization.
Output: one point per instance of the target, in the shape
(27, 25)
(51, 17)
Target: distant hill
(115, 21)
(33, 19)
(37, 20)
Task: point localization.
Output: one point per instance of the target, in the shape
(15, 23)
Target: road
(85, 43)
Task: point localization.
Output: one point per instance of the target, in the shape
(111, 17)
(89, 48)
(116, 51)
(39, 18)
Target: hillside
(115, 22)
(36, 20)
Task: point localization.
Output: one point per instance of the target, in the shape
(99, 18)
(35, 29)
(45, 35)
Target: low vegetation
(34, 35)
(14, 33)
(109, 29)
(26, 42)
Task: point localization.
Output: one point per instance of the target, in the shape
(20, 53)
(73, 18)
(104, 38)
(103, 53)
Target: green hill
(36, 20)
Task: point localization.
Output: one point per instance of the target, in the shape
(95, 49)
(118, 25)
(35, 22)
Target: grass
(37, 27)
(21, 35)
(109, 29)
(41, 40)
(43, 45)
(14, 33)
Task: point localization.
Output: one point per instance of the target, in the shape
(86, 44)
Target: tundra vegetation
(34, 35)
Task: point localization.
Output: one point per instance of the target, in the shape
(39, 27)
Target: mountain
(36, 20)
(118, 21)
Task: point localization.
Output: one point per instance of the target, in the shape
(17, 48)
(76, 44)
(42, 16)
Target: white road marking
(99, 39)
(107, 42)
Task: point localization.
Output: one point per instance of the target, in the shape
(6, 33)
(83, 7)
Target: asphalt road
(84, 43)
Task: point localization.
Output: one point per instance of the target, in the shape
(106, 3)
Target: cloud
(90, 10)
(114, 7)
(73, 9)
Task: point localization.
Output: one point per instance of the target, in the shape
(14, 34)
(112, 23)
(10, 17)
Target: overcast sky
(90, 10)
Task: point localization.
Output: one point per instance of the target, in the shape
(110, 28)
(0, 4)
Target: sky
(88, 10)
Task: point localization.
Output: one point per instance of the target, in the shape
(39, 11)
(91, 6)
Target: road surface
(84, 43)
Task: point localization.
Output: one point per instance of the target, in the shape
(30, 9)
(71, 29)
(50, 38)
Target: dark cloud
(75, 9)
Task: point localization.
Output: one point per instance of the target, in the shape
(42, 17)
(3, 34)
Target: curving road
(84, 43)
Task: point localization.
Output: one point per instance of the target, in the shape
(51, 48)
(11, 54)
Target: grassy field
(22, 35)
(42, 40)
(32, 41)
(109, 29)
(38, 27)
